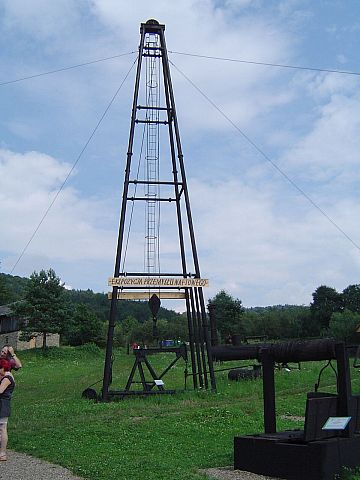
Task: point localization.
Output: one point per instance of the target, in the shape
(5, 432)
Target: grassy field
(163, 437)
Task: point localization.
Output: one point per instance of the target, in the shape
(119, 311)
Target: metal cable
(64, 68)
(263, 154)
(249, 62)
(72, 168)
(280, 65)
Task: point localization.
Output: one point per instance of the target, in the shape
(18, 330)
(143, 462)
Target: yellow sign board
(157, 282)
(147, 295)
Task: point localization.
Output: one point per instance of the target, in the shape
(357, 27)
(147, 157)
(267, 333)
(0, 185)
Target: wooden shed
(10, 333)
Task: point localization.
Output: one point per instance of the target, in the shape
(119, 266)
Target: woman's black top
(5, 398)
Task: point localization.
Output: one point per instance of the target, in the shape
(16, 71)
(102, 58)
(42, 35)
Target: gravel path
(23, 467)
(228, 473)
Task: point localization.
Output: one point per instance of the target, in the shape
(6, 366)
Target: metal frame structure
(142, 365)
(156, 116)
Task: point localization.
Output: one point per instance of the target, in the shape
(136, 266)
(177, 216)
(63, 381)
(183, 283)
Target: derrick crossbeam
(145, 107)
(152, 199)
(153, 122)
(153, 182)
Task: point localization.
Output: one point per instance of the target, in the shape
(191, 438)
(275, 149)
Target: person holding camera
(8, 353)
(7, 385)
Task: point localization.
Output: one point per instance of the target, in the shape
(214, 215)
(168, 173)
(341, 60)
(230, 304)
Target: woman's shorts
(4, 420)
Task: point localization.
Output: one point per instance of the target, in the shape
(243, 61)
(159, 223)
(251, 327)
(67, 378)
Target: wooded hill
(14, 289)
(331, 313)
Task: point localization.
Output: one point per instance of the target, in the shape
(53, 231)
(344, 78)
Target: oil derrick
(158, 183)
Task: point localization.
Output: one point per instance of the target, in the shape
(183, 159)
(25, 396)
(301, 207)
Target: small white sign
(336, 423)
(159, 383)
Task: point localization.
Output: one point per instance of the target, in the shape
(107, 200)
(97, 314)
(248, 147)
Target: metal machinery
(160, 169)
(314, 453)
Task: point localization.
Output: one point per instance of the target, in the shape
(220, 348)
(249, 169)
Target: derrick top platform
(152, 26)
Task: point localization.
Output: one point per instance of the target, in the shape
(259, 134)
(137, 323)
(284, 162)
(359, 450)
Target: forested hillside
(331, 313)
(14, 288)
(85, 313)
(11, 288)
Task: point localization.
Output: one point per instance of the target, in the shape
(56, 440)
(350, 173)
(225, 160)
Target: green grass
(162, 437)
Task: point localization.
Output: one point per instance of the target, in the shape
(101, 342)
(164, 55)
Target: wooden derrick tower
(157, 182)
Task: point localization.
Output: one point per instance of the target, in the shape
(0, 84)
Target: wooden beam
(147, 295)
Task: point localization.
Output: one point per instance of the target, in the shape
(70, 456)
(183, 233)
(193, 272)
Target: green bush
(343, 325)
(91, 349)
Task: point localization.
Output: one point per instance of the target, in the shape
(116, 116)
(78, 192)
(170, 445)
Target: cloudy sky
(274, 217)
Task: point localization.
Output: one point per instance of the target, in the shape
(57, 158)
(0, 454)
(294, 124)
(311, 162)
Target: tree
(309, 325)
(351, 298)
(44, 307)
(143, 332)
(4, 293)
(279, 321)
(128, 325)
(229, 313)
(177, 329)
(326, 301)
(82, 327)
(343, 326)
(13, 288)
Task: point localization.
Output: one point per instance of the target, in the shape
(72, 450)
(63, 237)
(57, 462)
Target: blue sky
(258, 237)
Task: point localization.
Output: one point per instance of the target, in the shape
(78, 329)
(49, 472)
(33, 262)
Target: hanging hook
(329, 364)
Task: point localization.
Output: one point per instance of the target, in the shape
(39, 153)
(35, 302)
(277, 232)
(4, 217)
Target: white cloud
(252, 249)
(207, 30)
(74, 229)
(257, 236)
(236, 5)
(204, 28)
(41, 19)
(330, 151)
(341, 58)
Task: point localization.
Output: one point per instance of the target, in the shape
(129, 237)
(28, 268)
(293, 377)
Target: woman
(8, 353)
(7, 385)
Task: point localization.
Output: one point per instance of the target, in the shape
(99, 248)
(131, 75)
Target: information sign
(159, 383)
(336, 423)
(179, 282)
